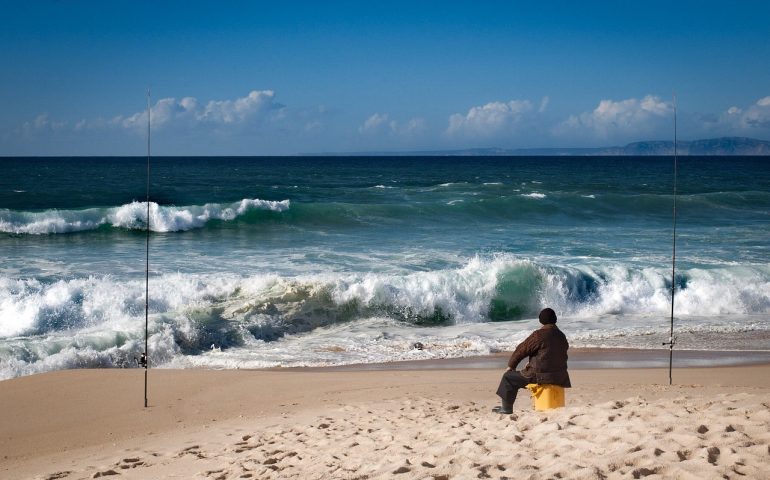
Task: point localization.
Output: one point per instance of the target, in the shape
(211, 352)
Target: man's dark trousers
(510, 384)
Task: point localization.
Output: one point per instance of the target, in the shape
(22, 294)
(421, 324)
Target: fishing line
(671, 339)
(145, 360)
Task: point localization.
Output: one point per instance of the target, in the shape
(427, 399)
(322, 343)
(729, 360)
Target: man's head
(547, 316)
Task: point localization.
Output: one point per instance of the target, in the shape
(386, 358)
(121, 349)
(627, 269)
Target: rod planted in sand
(145, 356)
(671, 339)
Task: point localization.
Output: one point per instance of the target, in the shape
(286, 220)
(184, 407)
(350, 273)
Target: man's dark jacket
(547, 352)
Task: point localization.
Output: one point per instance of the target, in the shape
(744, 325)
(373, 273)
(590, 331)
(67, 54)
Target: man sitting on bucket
(547, 352)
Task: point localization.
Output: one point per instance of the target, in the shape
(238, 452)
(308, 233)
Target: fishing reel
(671, 341)
(142, 360)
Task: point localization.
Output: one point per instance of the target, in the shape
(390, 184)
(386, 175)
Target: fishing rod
(144, 360)
(671, 339)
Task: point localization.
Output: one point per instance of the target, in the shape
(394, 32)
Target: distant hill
(710, 146)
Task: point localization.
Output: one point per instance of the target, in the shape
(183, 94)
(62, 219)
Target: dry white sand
(714, 423)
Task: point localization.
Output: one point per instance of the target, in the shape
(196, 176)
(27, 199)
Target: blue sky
(261, 78)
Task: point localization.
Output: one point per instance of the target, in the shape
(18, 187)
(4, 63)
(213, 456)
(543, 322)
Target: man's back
(549, 362)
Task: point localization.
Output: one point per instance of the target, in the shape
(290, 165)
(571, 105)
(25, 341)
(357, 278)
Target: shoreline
(579, 359)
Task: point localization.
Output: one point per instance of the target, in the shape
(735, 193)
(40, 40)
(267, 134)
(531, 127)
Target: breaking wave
(98, 321)
(444, 208)
(132, 216)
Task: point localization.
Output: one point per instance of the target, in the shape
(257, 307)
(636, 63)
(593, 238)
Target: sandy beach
(429, 423)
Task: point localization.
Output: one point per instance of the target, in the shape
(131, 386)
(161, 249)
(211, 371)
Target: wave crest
(98, 321)
(484, 289)
(132, 216)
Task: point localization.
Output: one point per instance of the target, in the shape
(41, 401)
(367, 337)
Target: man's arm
(525, 349)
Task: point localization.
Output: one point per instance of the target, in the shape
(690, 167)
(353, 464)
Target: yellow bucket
(546, 397)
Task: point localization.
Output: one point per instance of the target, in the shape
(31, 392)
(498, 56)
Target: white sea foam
(268, 320)
(462, 294)
(131, 216)
(174, 219)
(534, 195)
(364, 341)
(381, 340)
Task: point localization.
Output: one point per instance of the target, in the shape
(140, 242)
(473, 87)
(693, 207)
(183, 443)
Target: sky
(282, 78)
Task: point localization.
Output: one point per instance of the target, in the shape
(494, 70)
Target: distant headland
(710, 146)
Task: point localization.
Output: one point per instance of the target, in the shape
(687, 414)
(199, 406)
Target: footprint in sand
(483, 469)
(193, 450)
(127, 463)
(105, 473)
(713, 455)
(644, 472)
(217, 474)
(57, 475)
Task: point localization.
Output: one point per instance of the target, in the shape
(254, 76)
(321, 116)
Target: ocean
(317, 261)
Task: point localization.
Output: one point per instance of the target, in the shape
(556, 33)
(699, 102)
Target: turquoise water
(317, 261)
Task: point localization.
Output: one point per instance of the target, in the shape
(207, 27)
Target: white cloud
(611, 119)
(414, 126)
(255, 122)
(256, 106)
(262, 124)
(380, 123)
(754, 117)
(751, 120)
(544, 104)
(374, 124)
(490, 119)
(42, 123)
(241, 109)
